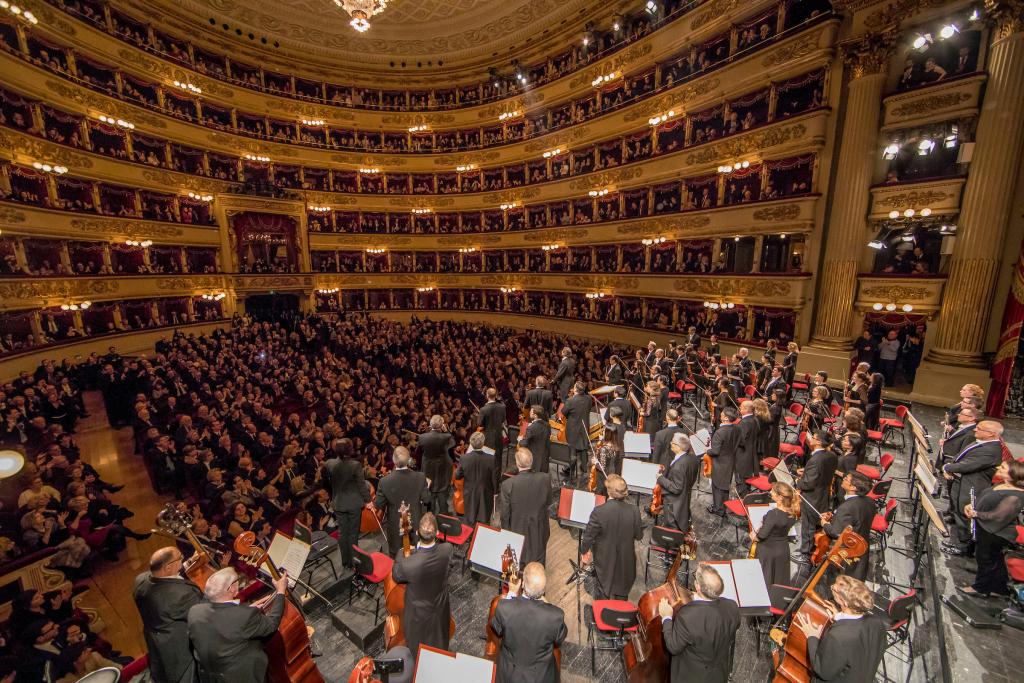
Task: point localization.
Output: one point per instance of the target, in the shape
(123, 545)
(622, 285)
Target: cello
(201, 566)
(644, 657)
(790, 660)
(288, 652)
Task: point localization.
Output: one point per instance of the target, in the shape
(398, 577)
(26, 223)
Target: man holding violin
(677, 484)
(815, 488)
(856, 511)
(611, 533)
(436, 464)
(530, 628)
(427, 616)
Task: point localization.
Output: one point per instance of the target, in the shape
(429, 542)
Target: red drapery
(247, 224)
(1009, 337)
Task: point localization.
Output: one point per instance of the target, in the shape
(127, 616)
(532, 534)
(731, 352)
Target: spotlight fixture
(417, 129)
(656, 120)
(319, 209)
(878, 242)
(925, 147)
(951, 140)
(548, 155)
(598, 193)
(257, 158)
(421, 211)
(214, 297)
(120, 123)
(655, 240)
(75, 307)
(470, 167)
(136, 243)
(652, 7)
(890, 152)
(509, 115)
(23, 15)
(948, 31)
(47, 168)
(602, 79)
(333, 290)
(467, 250)
(617, 22)
(511, 205)
(509, 290)
(313, 122)
(922, 41)
(200, 197)
(369, 171)
(188, 87)
(974, 15)
(377, 250)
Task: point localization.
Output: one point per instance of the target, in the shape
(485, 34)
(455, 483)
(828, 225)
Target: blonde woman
(773, 536)
(789, 363)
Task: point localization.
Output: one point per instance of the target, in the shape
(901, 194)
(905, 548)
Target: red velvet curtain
(247, 224)
(1009, 338)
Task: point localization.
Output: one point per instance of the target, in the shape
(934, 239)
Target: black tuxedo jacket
(434, 459)
(565, 377)
(530, 630)
(612, 532)
(954, 444)
(163, 605)
(349, 490)
(539, 397)
(576, 413)
(628, 418)
(857, 512)
(850, 651)
(480, 472)
(815, 485)
(724, 443)
(227, 640)
(677, 486)
(615, 374)
(661, 451)
(524, 509)
(746, 451)
(700, 639)
(427, 612)
(537, 438)
(401, 486)
(492, 419)
(976, 466)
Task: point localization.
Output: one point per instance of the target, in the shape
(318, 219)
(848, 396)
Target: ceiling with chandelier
(361, 11)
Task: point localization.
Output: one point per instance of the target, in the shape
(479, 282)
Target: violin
(644, 657)
(458, 501)
(790, 660)
(821, 541)
(656, 502)
(289, 659)
(370, 520)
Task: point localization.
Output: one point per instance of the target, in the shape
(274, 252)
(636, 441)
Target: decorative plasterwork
(758, 287)
(940, 101)
(241, 144)
(185, 181)
(420, 202)
(293, 108)
(50, 289)
(517, 104)
(925, 294)
(868, 55)
(106, 105)
(930, 104)
(271, 281)
(662, 104)
(511, 280)
(606, 178)
(9, 216)
(336, 199)
(368, 160)
(455, 160)
(556, 140)
(188, 284)
(41, 150)
(802, 46)
(124, 228)
(896, 293)
(48, 17)
(416, 119)
(899, 11)
(467, 240)
(667, 224)
(372, 240)
(913, 200)
(778, 213)
(715, 9)
(233, 203)
(513, 195)
(746, 144)
(602, 282)
(426, 279)
(556, 235)
(1006, 17)
(165, 70)
(619, 61)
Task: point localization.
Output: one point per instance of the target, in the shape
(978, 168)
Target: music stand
(637, 445)
(489, 545)
(434, 665)
(641, 477)
(744, 584)
(574, 508)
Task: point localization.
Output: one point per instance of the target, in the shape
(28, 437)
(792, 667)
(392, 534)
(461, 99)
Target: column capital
(868, 55)
(1006, 17)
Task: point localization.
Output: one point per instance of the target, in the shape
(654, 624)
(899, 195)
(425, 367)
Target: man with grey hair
(163, 599)
(677, 484)
(401, 487)
(974, 467)
(700, 636)
(611, 533)
(436, 463)
(226, 637)
(530, 628)
(480, 471)
(565, 376)
(524, 507)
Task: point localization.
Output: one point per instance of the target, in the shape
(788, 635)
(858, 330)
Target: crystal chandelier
(361, 11)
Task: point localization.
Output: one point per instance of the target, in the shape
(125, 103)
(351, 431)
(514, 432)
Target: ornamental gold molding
(57, 288)
(185, 284)
(426, 279)
(292, 108)
(9, 216)
(602, 282)
(557, 140)
(897, 293)
(518, 104)
(49, 18)
(783, 212)
(868, 55)
(659, 105)
(107, 105)
(367, 160)
(416, 119)
(124, 228)
(899, 11)
(187, 182)
(660, 225)
(155, 67)
(555, 235)
(43, 151)
(606, 178)
(420, 202)
(715, 9)
(804, 45)
(275, 281)
(914, 200)
(244, 145)
(929, 104)
(454, 160)
(467, 240)
(745, 144)
(512, 280)
(619, 61)
(162, 69)
(1006, 17)
(706, 286)
(372, 240)
(332, 199)
(513, 195)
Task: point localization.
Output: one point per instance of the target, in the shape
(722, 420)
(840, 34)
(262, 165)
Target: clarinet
(974, 520)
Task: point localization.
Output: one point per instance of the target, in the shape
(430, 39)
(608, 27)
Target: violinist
(820, 379)
(163, 599)
(853, 423)
(615, 372)
(789, 363)
(713, 348)
(724, 443)
(540, 395)
(815, 487)
(773, 537)
(492, 420)
(664, 390)
(724, 399)
(530, 628)
(427, 611)
(524, 507)
(616, 433)
(699, 638)
(736, 374)
(850, 443)
(436, 464)
(693, 339)
(661, 451)
(776, 411)
(609, 540)
(857, 393)
(873, 406)
(604, 460)
(480, 471)
(746, 448)
(818, 409)
(536, 438)
(652, 408)
(623, 403)
(402, 486)
(682, 368)
(771, 350)
(852, 648)
(764, 374)
(677, 483)
(857, 511)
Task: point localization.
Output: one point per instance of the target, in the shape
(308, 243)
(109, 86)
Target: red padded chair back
(886, 462)
(796, 409)
(901, 413)
(890, 509)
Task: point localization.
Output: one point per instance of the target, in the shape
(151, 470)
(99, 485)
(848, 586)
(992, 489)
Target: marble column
(967, 302)
(866, 58)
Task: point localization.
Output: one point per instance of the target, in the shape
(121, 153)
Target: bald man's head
(535, 581)
(163, 562)
(524, 458)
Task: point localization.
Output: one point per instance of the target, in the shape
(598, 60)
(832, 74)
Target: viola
(457, 499)
(791, 661)
(644, 657)
(656, 501)
(821, 541)
(289, 659)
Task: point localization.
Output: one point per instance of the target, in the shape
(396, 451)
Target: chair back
(749, 390)
(559, 452)
(886, 461)
(761, 498)
(363, 562)
(448, 526)
(780, 596)
(796, 409)
(667, 538)
(890, 509)
(881, 488)
(835, 409)
(679, 386)
(620, 619)
(901, 412)
(901, 608)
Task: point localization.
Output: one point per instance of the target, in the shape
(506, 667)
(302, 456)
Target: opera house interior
(264, 264)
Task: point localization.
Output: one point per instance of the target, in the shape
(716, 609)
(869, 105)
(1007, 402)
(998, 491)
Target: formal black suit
(676, 489)
(951, 448)
(576, 414)
(480, 471)
(699, 639)
(565, 377)
(427, 612)
(611, 532)
(628, 418)
(539, 397)
(976, 465)
(349, 493)
(536, 439)
(850, 652)
(724, 443)
(492, 419)
(857, 512)
(773, 547)
(227, 640)
(530, 630)
(694, 341)
(661, 451)
(436, 463)
(163, 604)
(746, 452)
(401, 486)
(524, 509)
(615, 375)
(815, 487)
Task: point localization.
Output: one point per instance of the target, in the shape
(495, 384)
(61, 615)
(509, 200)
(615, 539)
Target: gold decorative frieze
(560, 139)
(357, 159)
(930, 104)
(303, 109)
(518, 104)
(513, 195)
(455, 160)
(372, 240)
(106, 105)
(555, 235)
(271, 281)
(666, 224)
(897, 293)
(745, 144)
(602, 282)
(51, 289)
(467, 240)
(1005, 16)
(778, 213)
(942, 197)
(9, 216)
(420, 202)
(236, 203)
(868, 54)
(417, 119)
(619, 61)
(804, 45)
(942, 101)
(425, 280)
(42, 150)
(169, 72)
(185, 181)
(330, 199)
(241, 144)
(591, 181)
(668, 101)
(924, 294)
(124, 228)
(715, 9)
(190, 284)
(913, 199)
(511, 280)
(724, 286)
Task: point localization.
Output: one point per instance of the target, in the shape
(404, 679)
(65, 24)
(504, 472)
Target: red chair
(895, 425)
(881, 526)
(1015, 566)
(677, 395)
(455, 532)
(880, 491)
(876, 440)
(794, 421)
(760, 482)
(896, 617)
(748, 393)
(133, 669)
(872, 472)
(788, 449)
(739, 507)
(612, 619)
(371, 568)
(834, 409)
(802, 386)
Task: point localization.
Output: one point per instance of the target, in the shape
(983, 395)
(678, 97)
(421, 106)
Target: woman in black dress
(773, 536)
(726, 399)
(652, 409)
(873, 408)
(789, 364)
(776, 411)
(851, 442)
(996, 510)
(764, 418)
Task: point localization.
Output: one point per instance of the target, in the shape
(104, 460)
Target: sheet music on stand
(290, 552)
(925, 475)
(489, 544)
(756, 515)
(782, 473)
(744, 584)
(641, 477)
(439, 666)
(636, 445)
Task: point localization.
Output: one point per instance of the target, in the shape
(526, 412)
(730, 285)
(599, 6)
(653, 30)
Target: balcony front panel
(944, 101)
(941, 196)
(923, 293)
(42, 292)
(26, 220)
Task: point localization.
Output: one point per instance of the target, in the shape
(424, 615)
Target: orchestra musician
(652, 353)
(425, 572)
(163, 599)
(492, 419)
(714, 349)
(227, 637)
(773, 537)
(820, 379)
(725, 398)
(480, 471)
(789, 363)
(746, 365)
(524, 507)
(681, 367)
(616, 431)
(576, 414)
(350, 494)
(652, 408)
(776, 411)
(853, 647)
(746, 448)
(724, 443)
(615, 372)
(700, 637)
(970, 394)
(661, 362)
(771, 348)
(530, 628)
(664, 390)
(736, 375)
(975, 467)
(401, 487)
(604, 459)
(693, 339)
(815, 487)
(952, 446)
(609, 540)
(540, 395)
(677, 483)
(622, 402)
(565, 376)
(536, 439)
(765, 375)
(661, 451)
(818, 408)
(436, 463)
(857, 511)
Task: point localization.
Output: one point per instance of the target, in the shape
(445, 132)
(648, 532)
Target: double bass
(644, 657)
(289, 659)
(201, 566)
(790, 660)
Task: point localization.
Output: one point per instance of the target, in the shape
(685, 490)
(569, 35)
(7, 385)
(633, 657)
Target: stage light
(926, 212)
(891, 151)
(877, 307)
(920, 42)
(925, 147)
(948, 31)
